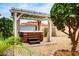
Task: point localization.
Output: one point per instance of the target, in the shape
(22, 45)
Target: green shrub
(3, 46)
(12, 40)
(1, 36)
(6, 27)
(45, 32)
(53, 32)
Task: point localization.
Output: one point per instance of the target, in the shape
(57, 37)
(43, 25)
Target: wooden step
(34, 42)
(33, 39)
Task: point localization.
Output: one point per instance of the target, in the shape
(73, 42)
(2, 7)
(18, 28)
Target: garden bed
(65, 53)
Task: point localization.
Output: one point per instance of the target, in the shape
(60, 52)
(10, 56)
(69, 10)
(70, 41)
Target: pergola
(18, 14)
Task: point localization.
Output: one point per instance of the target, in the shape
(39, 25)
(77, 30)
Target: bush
(1, 36)
(6, 27)
(12, 40)
(53, 31)
(3, 46)
(45, 32)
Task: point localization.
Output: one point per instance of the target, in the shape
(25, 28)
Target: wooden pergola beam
(29, 14)
(19, 16)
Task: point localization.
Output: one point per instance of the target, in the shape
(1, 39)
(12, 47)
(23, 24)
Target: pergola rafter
(30, 15)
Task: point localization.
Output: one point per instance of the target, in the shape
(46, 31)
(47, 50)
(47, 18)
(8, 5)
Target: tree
(6, 27)
(0, 14)
(67, 15)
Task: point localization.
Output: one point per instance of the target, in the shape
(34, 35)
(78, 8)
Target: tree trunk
(74, 43)
(73, 49)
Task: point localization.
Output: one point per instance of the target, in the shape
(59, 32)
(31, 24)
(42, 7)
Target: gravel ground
(44, 48)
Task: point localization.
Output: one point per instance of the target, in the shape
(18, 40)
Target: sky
(38, 7)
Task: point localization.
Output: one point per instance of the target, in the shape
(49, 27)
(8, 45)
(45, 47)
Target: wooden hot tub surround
(31, 35)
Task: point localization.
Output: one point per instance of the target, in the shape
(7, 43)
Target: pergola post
(15, 24)
(39, 24)
(49, 30)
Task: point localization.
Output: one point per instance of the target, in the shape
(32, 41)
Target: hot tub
(31, 36)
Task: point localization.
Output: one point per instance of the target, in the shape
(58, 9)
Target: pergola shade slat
(27, 14)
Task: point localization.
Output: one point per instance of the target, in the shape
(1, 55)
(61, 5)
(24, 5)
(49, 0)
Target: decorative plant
(67, 15)
(6, 27)
(45, 32)
(3, 46)
(12, 41)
